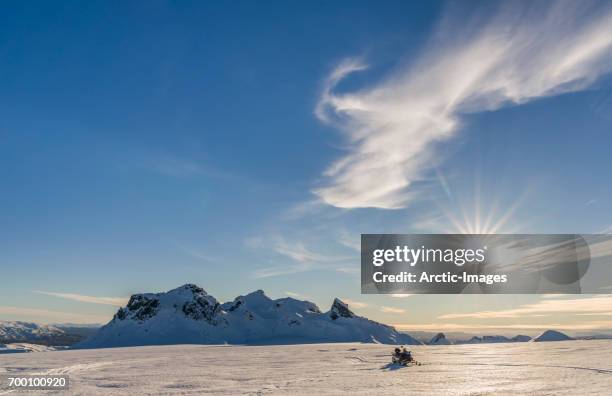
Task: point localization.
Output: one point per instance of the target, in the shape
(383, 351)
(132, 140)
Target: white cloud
(277, 270)
(595, 314)
(600, 304)
(349, 270)
(114, 301)
(590, 325)
(304, 209)
(392, 310)
(527, 51)
(355, 304)
(49, 316)
(302, 258)
(351, 241)
(298, 252)
(401, 295)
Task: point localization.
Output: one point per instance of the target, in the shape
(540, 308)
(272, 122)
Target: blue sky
(246, 145)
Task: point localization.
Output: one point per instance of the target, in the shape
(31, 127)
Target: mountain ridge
(27, 332)
(188, 314)
(552, 335)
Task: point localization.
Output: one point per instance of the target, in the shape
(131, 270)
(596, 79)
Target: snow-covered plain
(559, 368)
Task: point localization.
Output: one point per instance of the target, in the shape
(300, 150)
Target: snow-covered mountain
(188, 315)
(24, 347)
(552, 335)
(24, 332)
(493, 339)
(439, 339)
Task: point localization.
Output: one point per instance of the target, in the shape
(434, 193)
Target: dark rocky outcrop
(340, 309)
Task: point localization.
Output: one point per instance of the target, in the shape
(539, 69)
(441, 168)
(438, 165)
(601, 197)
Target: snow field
(559, 368)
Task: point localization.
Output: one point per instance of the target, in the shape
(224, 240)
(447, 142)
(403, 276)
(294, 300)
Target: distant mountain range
(462, 338)
(548, 335)
(189, 315)
(32, 333)
(441, 339)
(25, 347)
(494, 339)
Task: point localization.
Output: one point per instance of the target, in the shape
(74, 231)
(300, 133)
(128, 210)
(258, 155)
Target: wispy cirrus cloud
(301, 258)
(278, 270)
(392, 310)
(49, 316)
(585, 325)
(355, 270)
(351, 241)
(600, 304)
(522, 52)
(299, 252)
(196, 254)
(114, 301)
(355, 304)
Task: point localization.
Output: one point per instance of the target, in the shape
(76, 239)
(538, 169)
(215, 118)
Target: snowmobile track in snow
(327, 370)
(596, 370)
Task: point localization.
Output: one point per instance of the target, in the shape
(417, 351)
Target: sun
(475, 212)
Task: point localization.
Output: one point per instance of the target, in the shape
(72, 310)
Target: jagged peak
(439, 338)
(190, 298)
(257, 295)
(340, 309)
(257, 292)
(191, 287)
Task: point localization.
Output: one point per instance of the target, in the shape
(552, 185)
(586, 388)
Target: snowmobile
(404, 360)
